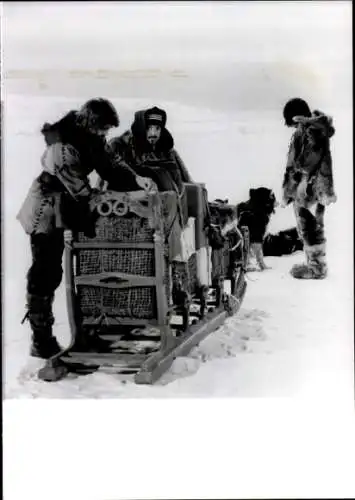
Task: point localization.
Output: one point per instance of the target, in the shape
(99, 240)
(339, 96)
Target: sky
(135, 34)
(240, 55)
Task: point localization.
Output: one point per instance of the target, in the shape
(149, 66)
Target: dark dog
(221, 212)
(282, 243)
(255, 214)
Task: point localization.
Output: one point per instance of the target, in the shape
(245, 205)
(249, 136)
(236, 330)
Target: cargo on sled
(152, 283)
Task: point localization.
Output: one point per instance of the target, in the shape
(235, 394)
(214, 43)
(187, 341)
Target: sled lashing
(149, 287)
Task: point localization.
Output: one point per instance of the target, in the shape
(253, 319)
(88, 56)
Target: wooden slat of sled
(159, 362)
(160, 293)
(110, 244)
(116, 337)
(124, 360)
(107, 280)
(111, 321)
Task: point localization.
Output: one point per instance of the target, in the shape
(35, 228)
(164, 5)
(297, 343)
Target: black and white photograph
(177, 199)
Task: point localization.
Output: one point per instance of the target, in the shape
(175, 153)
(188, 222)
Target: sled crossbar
(110, 244)
(115, 280)
(119, 321)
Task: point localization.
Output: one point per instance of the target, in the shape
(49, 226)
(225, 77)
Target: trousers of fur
(310, 226)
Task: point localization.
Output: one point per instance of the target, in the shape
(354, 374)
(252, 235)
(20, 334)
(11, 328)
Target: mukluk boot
(315, 266)
(44, 344)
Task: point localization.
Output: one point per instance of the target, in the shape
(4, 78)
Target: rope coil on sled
(120, 208)
(105, 208)
(108, 207)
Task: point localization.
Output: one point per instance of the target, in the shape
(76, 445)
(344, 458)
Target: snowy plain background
(223, 73)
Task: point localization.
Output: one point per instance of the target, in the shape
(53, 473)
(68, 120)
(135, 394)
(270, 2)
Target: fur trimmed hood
(91, 147)
(71, 130)
(319, 123)
(61, 130)
(139, 128)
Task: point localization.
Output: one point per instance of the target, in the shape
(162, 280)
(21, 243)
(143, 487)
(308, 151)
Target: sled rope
(26, 316)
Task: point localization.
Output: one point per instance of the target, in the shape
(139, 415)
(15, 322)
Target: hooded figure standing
(59, 199)
(308, 182)
(148, 143)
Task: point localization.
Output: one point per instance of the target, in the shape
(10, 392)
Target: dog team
(76, 146)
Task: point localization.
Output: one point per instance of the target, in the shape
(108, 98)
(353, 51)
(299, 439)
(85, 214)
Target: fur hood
(71, 130)
(61, 130)
(319, 123)
(138, 131)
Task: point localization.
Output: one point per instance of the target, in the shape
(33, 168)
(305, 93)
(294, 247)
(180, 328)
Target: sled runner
(149, 287)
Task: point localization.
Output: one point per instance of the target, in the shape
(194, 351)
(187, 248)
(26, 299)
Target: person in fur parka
(308, 182)
(146, 144)
(58, 199)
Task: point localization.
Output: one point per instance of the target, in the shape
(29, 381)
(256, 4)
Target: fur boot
(315, 266)
(44, 344)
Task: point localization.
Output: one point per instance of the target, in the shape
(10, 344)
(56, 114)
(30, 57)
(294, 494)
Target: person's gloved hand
(146, 184)
(327, 200)
(284, 203)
